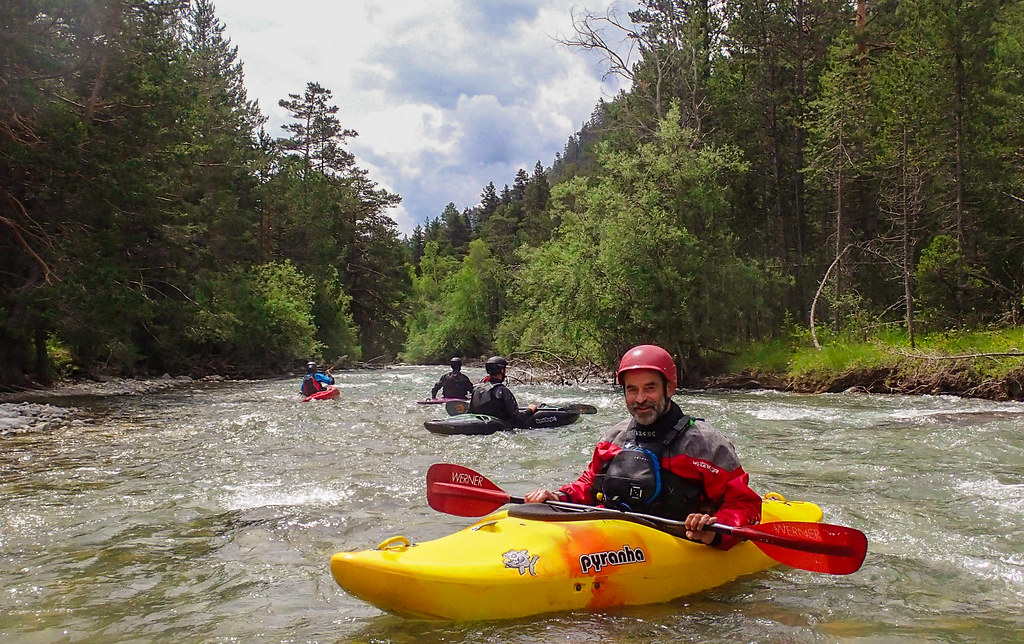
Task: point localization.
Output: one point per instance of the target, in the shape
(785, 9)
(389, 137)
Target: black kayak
(480, 424)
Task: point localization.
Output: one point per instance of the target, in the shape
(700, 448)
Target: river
(208, 512)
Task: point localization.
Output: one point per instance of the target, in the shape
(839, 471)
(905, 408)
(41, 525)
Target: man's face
(647, 395)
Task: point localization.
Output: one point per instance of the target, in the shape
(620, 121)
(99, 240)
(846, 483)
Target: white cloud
(447, 95)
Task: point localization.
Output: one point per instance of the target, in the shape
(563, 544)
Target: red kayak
(330, 392)
(438, 401)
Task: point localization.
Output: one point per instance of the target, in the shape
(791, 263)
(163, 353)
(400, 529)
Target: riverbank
(22, 412)
(779, 366)
(889, 380)
(18, 418)
(984, 364)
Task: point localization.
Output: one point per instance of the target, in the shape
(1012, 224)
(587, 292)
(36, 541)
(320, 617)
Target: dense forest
(847, 167)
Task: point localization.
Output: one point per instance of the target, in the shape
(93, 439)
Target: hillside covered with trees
(151, 222)
(833, 167)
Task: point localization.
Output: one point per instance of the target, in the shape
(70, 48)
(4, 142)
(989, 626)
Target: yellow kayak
(509, 566)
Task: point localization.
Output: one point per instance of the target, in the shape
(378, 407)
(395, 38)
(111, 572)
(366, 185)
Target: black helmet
(455, 362)
(495, 364)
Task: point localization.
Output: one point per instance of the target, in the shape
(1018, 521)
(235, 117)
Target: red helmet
(648, 356)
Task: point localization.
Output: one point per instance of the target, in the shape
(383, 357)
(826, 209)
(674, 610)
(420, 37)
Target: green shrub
(262, 315)
(336, 331)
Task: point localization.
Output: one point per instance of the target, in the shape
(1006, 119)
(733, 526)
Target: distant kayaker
(662, 461)
(314, 380)
(453, 384)
(493, 398)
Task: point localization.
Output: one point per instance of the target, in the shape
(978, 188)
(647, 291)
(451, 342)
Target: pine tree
(489, 202)
(316, 133)
(457, 231)
(774, 55)
(536, 224)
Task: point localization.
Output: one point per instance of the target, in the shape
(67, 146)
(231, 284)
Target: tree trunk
(798, 178)
(908, 245)
(839, 228)
(861, 25)
(42, 367)
(958, 174)
(113, 20)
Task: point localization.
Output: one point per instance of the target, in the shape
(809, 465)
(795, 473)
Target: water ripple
(208, 512)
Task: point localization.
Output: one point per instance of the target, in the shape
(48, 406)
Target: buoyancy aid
(454, 384)
(634, 480)
(486, 400)
(310, 386)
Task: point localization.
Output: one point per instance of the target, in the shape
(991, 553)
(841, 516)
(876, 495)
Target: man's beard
(649, 412)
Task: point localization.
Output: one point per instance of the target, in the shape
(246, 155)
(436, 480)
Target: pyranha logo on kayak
(624, 555)
(522, 560)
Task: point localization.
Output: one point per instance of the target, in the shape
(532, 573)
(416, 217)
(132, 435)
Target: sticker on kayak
(521, 560)
(597, 560)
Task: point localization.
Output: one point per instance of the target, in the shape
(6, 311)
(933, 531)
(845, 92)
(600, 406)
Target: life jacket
(634, 480)
(455, 385)
(485, 400)
(310, 385)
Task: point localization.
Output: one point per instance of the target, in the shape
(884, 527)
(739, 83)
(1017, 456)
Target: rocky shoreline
(20, 414)
(18, 418)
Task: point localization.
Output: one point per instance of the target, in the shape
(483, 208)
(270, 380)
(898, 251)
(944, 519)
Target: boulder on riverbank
(18, 418)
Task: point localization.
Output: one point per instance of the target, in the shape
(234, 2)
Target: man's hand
(695, 531)
(540, 496)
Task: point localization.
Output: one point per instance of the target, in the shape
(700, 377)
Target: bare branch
(16, 230)
(590, 37)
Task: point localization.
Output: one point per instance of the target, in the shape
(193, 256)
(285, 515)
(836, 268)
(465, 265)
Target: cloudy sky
(446, 95)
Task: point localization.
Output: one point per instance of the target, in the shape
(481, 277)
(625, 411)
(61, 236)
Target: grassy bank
(982, 364)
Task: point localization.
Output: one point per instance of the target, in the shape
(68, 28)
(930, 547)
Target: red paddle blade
(458, 490)
(818, 547)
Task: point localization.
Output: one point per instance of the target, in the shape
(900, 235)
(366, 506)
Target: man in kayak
(314, 380)
(453, 384)
(662, 461)
(493, 398)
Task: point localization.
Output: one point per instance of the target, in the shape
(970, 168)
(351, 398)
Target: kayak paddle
(818, 547)
(575, 408)
(456, 407)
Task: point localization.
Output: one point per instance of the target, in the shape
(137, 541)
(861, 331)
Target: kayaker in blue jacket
(493, 398)
(662, 461)
(314, 380)
(453, 384)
